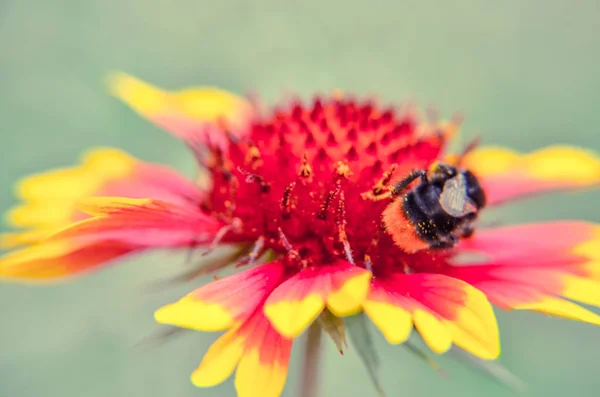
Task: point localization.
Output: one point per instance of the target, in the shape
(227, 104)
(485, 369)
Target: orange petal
(144, 222)
(50, 260)
(200, 114)
(444, 311)
(507, 175)
(296, 303)
(532, 266)
(49, 199)
(225, 302)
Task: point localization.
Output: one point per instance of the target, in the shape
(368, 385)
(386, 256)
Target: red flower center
(306, 181)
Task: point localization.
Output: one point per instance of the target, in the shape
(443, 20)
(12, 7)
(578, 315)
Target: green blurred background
(525, 75)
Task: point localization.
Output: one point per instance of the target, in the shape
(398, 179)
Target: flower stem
(310, 367)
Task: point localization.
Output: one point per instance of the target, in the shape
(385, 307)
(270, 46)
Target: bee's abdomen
(402, 229)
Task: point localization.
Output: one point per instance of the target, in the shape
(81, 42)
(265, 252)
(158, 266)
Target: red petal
(296, 303)
(50, 198)
(144, 222)
(196, 115)
(532, 266)
(262, 371)
(443, 309)
(507, 175)
(225, 302)
(51, 260)
(150, 180)
(260, 354)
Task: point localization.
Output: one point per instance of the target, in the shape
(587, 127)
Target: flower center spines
(294, 171)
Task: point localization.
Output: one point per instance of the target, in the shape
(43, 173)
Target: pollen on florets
(309, 178)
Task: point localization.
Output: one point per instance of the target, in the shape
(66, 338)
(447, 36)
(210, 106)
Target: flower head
(310, 194)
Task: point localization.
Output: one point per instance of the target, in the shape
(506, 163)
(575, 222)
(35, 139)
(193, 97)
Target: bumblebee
(441, 208)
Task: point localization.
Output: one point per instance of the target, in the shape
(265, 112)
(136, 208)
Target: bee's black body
(432, 223)
(421, 207)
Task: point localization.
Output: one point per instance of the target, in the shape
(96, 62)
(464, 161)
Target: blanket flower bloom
(301, 190)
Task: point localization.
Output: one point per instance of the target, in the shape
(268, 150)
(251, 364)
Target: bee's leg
(397, 189)
(466, 227)
(401, 186)
(467, 231)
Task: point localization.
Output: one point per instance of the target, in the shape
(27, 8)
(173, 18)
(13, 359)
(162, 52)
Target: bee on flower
(353, 207)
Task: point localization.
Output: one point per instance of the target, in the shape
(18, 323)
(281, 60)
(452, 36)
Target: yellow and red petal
(223, 303)
(50, 198)
(58, 259)
(444, 310)
(220, 361)
(262, 371)
(17, 239)
(117, 226)
(260, 354)
(506, 174)
(199, 114)
(143, 222)
(145, 179)
(297, 302)
(534, 266)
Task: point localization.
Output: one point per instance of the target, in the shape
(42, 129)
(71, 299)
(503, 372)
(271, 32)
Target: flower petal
(262, 371)
(220, 361)
(144, 222)
(225, 302)
(261, 356)
(145, 180)
(507, 175)
(50, 260)
(531, 266)
(443, 309)
(17, 239)
(50, 198)
(117, 226)
(200, 114)
(296, 303)
(561, 308)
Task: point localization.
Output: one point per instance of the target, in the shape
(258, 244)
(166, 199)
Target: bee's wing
(454, 199)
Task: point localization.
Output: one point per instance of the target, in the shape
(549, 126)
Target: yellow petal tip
(562, 308)
(143, 97)
(394, 322)
(196, 315)
(290, 318)
(433, 331)
(348, 299)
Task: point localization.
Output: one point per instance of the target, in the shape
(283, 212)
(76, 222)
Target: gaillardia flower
(316, 198)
